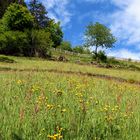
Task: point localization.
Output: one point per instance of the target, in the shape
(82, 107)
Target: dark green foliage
(19, 43)
(113, 61)
(4, 4)
(65, 45)
(41, 43)
(28, 33)
(13, 42)
(39, 13)
(6, 59)
(99, 35)
(17, 17)
(81, 50)
(78, 49)
(56, 32)
(101, 57)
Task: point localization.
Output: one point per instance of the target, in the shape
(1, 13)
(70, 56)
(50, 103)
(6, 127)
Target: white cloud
(58, 9)
(124, 53)
(126, 21)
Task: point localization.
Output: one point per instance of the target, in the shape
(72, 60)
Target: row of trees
(27, 30)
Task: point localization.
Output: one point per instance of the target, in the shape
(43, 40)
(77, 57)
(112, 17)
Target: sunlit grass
(44, 105)
(24, 63)
(48, 106)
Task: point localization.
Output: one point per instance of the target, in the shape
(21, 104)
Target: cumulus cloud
(58, 10)
(124, 53)
(126, 21)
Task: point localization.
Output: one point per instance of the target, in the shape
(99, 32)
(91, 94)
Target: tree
(17, 17)
(78, 49)
(4, 4)
(43, 22)
(65, 45)
(55, 31)
(39, 13)
(98, 35)
(41, 43)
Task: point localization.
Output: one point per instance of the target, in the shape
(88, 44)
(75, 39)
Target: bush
(6, 59)
(65, 45)
(78, 49)
(112, 60)
(13, 42)
(101, 56)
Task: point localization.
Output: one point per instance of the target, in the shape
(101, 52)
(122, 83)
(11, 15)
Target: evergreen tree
(39, 12)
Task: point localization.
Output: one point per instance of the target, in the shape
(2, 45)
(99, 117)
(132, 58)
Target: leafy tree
(17, 17)
(78, 49)
(5, 3)
(39, 13)
(13, 42)
(19, 35)
(56, 32)
(41, 43)
(43, 22)
(65, 45)
(99, 35)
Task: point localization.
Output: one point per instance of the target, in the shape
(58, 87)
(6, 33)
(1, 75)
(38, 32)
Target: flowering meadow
(59, 106)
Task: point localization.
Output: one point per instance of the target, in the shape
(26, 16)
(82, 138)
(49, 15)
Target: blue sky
(121, 16)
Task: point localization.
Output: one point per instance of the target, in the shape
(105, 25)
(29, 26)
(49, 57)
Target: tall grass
(41, 106)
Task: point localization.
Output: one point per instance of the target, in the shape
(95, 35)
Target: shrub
(13, 42)
(101, 56)
(6, 59)
(112, 60)
(65, 45)
(41, 43)
(78, 49)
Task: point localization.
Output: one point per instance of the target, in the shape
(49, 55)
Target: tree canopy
(27, 30)
(56, 32)
(98, 35)
(5, 3)
(17, 17)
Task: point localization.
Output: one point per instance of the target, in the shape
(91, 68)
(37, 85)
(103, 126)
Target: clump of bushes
(6, 59)
(103, 61)
(100, 57)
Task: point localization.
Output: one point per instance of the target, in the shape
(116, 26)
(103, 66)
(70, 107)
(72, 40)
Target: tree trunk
(96, 52)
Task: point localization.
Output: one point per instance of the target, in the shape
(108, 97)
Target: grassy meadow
(37, 104)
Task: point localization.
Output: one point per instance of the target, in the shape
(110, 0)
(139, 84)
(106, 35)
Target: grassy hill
(41, 99)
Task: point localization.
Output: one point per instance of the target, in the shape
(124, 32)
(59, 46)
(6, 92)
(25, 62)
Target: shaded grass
(6, 59)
